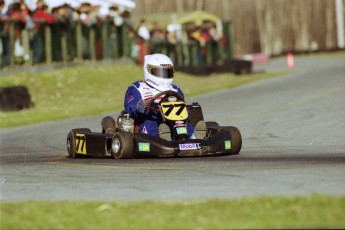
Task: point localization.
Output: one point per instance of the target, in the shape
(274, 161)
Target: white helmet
(159, 71)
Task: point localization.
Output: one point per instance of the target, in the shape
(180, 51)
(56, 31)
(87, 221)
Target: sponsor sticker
(181, 130)
(144, 147)
(190, 146)
(227, 145)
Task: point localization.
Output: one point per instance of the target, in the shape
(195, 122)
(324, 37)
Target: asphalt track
(293, 130)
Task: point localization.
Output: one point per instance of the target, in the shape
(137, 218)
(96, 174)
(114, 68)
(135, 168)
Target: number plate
(80, 143)
(174, 111)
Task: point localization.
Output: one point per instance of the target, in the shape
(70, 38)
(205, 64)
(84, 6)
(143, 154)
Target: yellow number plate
(80, 143)
(174, 110)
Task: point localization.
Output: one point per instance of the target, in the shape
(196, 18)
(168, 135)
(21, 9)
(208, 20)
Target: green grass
(81, 91)
(316, 211)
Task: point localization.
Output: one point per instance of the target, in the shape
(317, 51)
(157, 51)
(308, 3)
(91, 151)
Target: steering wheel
(153, 103)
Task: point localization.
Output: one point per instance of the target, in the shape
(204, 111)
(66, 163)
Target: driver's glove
(141, 106)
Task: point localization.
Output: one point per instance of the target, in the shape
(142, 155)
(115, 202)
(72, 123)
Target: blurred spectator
(126, 15)
(157, 36)
(94, 15)
(2, 29)
(154, 30)
(39, 4)
(86, 21)
(72, 12)
(201, 36)
(3, 16)
(102, 13)
(171, 37)
(87, 14)
(215, 37)
(2, 5)
(144, 34)
(16, 14)
(115, 14)
(72, 15)
(171, 45)
(18, 19)
(24, 8)
(61, 14)
(41, 15)
(143, 31)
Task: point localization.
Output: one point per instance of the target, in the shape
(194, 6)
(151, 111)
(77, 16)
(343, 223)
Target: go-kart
(126, 143)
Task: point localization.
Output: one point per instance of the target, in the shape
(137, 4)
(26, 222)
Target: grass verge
(80, 91)
(315, 211)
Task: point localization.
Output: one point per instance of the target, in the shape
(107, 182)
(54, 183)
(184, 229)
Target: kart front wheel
(236, 139)
(122, 145)
(71, 144)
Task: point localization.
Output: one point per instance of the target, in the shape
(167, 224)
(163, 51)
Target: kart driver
(159, 74)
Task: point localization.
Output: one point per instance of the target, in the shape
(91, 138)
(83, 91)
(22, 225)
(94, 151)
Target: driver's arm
(132, 97)
(178, 90)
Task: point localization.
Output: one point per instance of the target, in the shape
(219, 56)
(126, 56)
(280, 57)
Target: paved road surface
(293, 131)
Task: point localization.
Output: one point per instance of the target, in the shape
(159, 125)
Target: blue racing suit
(149, 120)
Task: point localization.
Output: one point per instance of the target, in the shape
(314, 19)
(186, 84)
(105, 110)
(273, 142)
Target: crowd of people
(31, 20)
(89, 15)
(86, 12)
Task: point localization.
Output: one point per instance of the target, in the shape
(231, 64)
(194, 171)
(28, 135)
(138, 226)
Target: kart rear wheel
(122, 145)
(71, 148)
(211, 124)
(236, 139)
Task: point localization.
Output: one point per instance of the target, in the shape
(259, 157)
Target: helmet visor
(161, 71)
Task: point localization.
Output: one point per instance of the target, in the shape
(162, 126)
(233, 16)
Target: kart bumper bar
(218, 144)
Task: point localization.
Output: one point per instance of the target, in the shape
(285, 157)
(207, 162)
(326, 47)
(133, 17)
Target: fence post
(92, 42)
(105, 35)
(118, 50)
(48, 43)
(179, 54)
(125, 41)
(209, 53)
(26, 45)
(64, 46)
(79, 41)
(227, 27)
(193, 53)
(12, 41)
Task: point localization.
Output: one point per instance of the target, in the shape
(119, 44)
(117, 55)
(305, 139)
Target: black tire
(122, 145)
(71, 148)
(236, 139)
